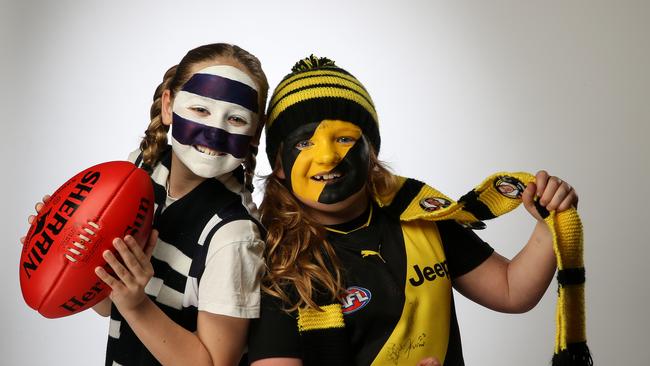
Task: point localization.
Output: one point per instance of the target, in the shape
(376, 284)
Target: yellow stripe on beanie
(319, 92)
(322, 76)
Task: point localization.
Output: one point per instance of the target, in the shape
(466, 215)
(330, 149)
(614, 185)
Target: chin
(349, 206)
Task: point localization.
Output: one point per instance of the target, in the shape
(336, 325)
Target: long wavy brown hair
(300, 262)
(155, 138)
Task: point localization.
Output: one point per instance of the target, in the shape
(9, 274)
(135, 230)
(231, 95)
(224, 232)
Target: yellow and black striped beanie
(316, 90)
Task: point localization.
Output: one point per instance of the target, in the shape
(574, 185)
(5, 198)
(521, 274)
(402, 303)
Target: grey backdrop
(463, 89)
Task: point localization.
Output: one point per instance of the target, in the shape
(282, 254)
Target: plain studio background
(463, 90)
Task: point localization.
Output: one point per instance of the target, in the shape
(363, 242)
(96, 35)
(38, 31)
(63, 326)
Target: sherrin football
(79, 222)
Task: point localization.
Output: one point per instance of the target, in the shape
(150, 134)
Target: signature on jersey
(403, 350)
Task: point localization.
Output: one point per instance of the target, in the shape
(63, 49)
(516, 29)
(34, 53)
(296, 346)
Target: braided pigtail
(249, 167)
(251, 158)
(254, 67)
(155, 137)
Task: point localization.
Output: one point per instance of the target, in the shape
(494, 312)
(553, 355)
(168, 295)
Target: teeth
(206, 150)
(326, 177)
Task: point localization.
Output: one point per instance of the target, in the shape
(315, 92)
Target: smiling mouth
(327, 177)
(206, 150)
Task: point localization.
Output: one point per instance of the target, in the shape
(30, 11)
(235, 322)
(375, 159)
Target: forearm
(530, 272)
(517, 285)
(170, 343)
(512, 286)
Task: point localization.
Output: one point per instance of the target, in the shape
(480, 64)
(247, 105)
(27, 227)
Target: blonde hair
(300, 262)
(155, 137)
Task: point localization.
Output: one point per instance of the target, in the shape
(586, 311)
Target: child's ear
(166, 108)
(280, 174)
(279, 171)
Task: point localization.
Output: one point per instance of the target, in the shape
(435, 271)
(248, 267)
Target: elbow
(102, 313)
(521, 305)
(103, 307)
(522, 308)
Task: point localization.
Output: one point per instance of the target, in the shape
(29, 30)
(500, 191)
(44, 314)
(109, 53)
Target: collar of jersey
(364, 225)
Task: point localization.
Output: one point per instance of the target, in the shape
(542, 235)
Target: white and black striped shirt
(208, 257)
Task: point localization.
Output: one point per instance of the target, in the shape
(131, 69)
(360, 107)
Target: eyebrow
(224, 89)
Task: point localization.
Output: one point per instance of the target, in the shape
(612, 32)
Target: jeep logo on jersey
(356, 298)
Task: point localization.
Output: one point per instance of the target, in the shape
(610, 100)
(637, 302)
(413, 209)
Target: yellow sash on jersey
(495, 196)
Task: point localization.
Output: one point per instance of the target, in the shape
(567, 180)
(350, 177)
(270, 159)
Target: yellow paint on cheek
(323, 156)
(301, 183)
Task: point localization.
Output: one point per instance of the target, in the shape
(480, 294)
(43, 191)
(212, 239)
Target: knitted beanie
(316, 90)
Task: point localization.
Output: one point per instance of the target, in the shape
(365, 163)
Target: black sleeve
(274, 334)
(463, 248)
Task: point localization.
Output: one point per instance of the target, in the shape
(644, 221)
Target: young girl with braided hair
(186, 298)
(361, 262)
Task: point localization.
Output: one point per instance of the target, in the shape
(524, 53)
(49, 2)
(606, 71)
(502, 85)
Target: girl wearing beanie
(361, 262)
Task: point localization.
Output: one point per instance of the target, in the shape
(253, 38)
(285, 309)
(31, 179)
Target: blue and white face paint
(215, 116)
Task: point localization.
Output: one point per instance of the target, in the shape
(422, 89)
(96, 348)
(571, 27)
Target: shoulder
(453, 228)
(464, 249)
(242, 236)
(239, 230)
(233, 182)
(412, 199)
(134, 155)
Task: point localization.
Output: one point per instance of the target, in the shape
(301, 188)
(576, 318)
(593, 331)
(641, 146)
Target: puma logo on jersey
(356, 298)
(428, 273)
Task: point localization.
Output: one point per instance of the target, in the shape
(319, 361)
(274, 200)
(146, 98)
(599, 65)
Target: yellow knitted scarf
(501, 193)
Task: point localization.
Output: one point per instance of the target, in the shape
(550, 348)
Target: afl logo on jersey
(356, 299)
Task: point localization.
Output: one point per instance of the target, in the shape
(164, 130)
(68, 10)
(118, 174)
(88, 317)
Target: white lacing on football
(80, 245)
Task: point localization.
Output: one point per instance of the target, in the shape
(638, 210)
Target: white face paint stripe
(231, 73)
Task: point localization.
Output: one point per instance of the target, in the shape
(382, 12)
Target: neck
(181, 179)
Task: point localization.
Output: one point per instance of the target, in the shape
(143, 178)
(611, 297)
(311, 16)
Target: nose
(326, 153)
(214, 135)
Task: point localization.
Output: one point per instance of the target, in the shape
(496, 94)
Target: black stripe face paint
(220, 88)
(192, 133)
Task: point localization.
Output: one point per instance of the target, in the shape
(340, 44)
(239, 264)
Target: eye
(304, 144)
(200, 110)
(346, 140)
(237, 121)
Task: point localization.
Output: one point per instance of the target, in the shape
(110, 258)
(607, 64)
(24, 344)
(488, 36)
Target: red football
(66, 240)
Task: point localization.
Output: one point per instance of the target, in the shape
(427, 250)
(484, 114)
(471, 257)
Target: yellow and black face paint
(326, 161)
